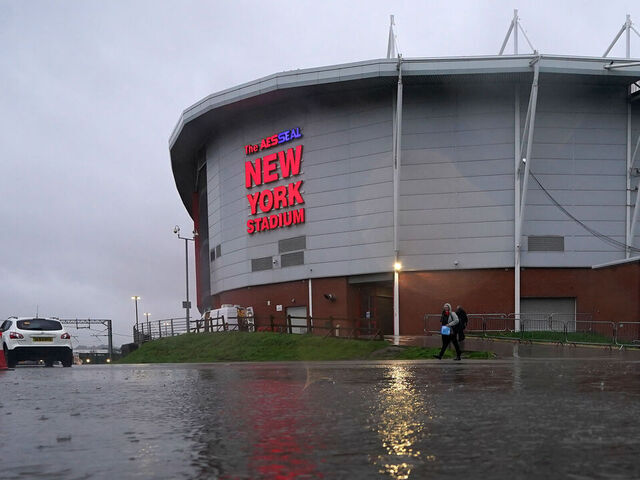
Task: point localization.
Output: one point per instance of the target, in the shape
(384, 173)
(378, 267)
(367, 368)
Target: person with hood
(449, 319)
(462, 317)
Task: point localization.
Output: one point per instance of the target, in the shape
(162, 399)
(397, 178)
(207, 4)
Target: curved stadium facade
(498, 183)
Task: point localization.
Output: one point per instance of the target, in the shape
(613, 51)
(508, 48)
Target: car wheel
(10, 357)
(67, 361)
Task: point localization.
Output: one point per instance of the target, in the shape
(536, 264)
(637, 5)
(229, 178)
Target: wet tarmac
(529, 416)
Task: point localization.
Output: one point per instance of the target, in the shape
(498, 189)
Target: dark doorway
(376, 305)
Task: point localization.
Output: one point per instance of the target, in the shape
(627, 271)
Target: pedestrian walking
(449, 319)
(462, 316)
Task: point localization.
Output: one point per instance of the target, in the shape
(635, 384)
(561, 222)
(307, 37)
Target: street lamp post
(187, 304)
(146, 315)
(137, 339)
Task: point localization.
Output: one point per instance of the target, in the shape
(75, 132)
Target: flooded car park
(513, 417)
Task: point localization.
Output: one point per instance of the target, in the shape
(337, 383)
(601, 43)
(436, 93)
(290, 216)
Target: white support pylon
(392, 44)
(627, 28)
(514, 27)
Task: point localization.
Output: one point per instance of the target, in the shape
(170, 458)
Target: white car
(36, 339)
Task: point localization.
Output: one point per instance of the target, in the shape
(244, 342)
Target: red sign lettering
(268, 169)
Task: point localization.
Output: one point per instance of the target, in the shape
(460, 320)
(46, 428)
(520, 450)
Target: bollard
(3, 361)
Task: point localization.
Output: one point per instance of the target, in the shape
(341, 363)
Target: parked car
(36, 339)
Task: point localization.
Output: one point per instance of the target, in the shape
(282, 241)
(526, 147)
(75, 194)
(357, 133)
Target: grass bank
(267, 346)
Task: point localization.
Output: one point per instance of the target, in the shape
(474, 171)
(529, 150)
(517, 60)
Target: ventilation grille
(290, 259)
(218, 250)
(548, 243)
(292, 244)
(264, 263)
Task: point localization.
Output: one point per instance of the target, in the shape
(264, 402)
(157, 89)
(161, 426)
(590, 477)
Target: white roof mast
(515, 25)
(626, 27)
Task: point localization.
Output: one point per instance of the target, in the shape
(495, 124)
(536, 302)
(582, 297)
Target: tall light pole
(187, 304)
(136, 298)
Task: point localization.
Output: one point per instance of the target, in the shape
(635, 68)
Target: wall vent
(291, 259)
(264, 263)
(218, 250)
(546, 243)
(292, 244)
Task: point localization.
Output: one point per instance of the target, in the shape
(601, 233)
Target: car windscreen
(39, 324)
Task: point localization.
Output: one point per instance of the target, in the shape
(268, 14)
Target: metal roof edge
(387, 67)
(616, 262)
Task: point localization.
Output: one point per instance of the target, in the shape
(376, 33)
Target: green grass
(543, 336)
(267, 346)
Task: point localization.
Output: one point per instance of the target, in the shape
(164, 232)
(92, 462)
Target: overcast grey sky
(91, 90)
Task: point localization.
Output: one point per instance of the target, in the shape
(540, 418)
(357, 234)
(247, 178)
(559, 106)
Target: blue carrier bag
(444, 330)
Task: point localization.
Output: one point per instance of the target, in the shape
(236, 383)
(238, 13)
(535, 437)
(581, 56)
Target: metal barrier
(478, 323)
(364, 328)
(152, 330)
(628, 334)
(546, 327)
(431, 323)
(542, 327)
(592, 333)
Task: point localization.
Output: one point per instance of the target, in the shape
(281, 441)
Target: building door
(298, 319)
(548, 314)
(376, 307)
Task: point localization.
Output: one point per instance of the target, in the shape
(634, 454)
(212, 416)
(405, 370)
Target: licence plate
(42, 339)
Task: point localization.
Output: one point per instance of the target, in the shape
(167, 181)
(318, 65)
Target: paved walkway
(514, 349)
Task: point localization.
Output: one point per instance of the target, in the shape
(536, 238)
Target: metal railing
(363, 328)
(579, 329)
(628, 334)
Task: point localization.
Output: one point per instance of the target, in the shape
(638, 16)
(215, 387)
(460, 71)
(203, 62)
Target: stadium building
(381, 189)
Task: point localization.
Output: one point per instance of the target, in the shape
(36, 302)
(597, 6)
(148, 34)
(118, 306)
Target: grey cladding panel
(434, 201)
(578, 151)
(578, 166)
(598, 136)
(448, 185)
(465, 215)
(463, 138)
(502, 228)
(457, 169)
(457, 245)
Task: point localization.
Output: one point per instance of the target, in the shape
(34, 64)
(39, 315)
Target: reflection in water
(397, 423)
(282, 434)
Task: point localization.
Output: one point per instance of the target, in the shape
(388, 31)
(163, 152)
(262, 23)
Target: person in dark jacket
(462, 316)
(450, 319)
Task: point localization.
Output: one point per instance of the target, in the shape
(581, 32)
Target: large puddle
(516, 418)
